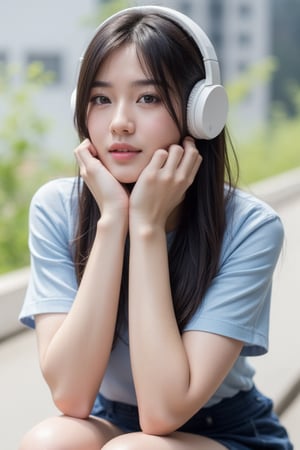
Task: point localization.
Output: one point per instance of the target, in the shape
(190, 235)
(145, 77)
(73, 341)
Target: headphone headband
(204, 44)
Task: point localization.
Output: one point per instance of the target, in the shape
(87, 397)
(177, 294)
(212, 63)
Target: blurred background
(40, 45)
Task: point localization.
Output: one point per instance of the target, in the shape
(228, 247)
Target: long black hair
(172, 58)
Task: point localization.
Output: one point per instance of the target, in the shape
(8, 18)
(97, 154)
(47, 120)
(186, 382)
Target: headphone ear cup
(73, 101)
(207, 110)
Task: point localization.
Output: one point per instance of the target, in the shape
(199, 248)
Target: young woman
(151, 274)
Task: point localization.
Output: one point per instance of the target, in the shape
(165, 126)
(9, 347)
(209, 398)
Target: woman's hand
(109, 194)
(162, 185)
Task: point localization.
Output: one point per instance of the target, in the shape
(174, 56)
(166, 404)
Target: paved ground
(25, 399)
(280, 368)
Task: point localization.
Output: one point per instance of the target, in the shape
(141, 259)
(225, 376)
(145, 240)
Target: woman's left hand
(162, 184)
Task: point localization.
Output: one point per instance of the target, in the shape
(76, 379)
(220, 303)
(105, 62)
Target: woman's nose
(122, 121)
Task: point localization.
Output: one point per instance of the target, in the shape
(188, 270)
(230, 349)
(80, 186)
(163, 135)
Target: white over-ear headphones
(207, 104)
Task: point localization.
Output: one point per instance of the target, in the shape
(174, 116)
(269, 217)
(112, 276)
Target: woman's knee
(124, 442)
(133, 441)
(174, 441)
(67, 433)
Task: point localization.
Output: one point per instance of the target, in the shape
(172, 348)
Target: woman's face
(126, 118)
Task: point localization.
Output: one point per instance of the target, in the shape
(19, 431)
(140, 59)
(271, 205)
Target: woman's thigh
(174, 441)
(68, 433)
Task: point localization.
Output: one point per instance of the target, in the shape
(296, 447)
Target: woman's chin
(125, 178)
(125, 174)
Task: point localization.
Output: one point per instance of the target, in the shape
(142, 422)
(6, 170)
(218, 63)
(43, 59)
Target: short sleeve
(237, 304)
(52, 286)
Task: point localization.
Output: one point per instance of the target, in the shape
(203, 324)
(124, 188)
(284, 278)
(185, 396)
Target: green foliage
(274, 148)
(109, 8)
(24, 161)
(270, 151)
(105, 10)
(260, 72)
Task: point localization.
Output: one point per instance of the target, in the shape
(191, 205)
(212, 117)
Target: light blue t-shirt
(236, 305)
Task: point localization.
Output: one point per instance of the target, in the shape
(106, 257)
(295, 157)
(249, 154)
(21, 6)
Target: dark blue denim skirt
(244, 422)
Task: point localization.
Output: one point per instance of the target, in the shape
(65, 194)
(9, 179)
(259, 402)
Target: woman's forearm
(174, 374)
(159, 362)
(75, 360)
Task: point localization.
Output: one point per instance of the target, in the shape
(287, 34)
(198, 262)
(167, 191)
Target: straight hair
(169, 56)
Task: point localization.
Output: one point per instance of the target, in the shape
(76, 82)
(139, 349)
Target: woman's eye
(100, 100)
(149, 98)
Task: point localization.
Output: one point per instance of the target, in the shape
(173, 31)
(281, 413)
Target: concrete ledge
(278, 189)
(12, 291)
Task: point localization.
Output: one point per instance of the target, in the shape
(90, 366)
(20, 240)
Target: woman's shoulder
(55, 202)
(248, 215)
(242, 204)
(57, 187)
(55, 194)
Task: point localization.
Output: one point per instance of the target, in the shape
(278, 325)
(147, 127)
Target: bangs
(156, 52)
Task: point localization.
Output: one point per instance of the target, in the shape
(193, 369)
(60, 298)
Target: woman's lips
(122, 147)
(123, 151)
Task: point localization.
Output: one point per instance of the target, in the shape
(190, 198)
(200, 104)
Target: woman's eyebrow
(142, 82)
(98, 83)
(145, 82)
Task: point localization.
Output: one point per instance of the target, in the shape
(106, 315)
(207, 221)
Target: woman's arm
(74, 348)
(174, 375)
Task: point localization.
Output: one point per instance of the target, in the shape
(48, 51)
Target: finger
(175, 155)
(191, 159)
(88, 164)
(158, 160)
(86, 147)
(87, 156)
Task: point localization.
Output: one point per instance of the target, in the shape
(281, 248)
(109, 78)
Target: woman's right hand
(110, 195)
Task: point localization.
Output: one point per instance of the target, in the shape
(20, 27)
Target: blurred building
(56, 34)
